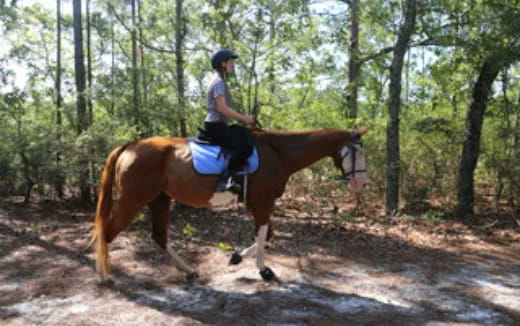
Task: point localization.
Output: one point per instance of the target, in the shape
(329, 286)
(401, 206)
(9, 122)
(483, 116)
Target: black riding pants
(234, 139)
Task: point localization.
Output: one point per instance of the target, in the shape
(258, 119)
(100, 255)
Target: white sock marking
(248, 252)
(178, 262)
(260, 249)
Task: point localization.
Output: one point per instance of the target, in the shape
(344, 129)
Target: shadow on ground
(331, 275)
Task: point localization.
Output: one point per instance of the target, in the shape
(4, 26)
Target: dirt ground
(334, 268)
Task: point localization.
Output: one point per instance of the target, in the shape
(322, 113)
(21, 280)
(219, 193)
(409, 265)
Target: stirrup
(223, 183)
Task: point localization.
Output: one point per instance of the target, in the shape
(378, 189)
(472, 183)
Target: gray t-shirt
(217, 87)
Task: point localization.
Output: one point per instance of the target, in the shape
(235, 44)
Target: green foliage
(224, 246)
(429, 154)
(139, 218)
(37, 226)
(189, 230)
(292, 63)
(347, 217)
(434, 216)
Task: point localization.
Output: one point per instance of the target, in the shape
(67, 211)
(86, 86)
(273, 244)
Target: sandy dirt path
(362, 273)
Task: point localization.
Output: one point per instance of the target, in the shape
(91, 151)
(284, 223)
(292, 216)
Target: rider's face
(229, 66)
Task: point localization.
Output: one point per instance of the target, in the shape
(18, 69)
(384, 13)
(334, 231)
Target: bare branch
(145, 43)
(388, 49)
(379, 53)
(157, 49)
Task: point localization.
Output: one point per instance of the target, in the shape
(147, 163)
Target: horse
(153, 171)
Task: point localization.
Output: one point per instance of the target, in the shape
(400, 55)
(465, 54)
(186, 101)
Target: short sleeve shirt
(217, 87)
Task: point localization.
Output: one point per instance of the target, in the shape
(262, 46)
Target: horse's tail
(103, 212)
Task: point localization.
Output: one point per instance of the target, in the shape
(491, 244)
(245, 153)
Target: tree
(354, 63)
(135, 72)
(394, 106)
(222, 15)
(59, 178)
(141, 52)
(489, 70)
(112, 68)
(82, 119)
(89, 65)
(180, 33)
(498, 44)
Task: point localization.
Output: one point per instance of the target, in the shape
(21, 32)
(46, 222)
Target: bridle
(352, 149)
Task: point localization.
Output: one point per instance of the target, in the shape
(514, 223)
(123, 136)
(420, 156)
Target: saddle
(210, 158)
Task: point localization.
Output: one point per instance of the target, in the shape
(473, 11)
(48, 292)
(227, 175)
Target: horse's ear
(361, 131)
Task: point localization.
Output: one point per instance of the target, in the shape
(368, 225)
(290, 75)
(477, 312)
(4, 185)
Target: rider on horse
(216, 123)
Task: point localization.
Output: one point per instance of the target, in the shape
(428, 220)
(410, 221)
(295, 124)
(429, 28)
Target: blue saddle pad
(205, 159)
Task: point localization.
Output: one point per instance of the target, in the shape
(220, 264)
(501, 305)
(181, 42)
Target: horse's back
(157, 143)
(179, 179)
(149, 157)
(146, 148)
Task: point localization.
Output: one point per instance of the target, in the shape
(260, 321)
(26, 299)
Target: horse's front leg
(264, 232)
(237, 257)
(261, 238)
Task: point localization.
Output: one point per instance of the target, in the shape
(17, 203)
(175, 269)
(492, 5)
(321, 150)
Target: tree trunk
(79, 68)
(515, 152)
(58, 178)
(270, 58)
(354, 63)
(141, 51)
(135, 73)
(27, 165)
(471, 146)
(394, 106)
(29, 183)
(112, 69)
(516, 125)
(179, 44)
(221, 23)
(251, 102)
(89, 67)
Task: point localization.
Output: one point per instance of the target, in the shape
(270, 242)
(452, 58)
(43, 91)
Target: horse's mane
(268, 135)
(280, 139)
(262, 133)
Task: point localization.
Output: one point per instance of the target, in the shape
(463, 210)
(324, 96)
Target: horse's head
(351, 160)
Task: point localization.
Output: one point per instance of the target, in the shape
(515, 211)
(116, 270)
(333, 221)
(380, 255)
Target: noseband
(356, 140)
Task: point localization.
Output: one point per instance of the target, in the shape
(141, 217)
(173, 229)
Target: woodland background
(436, 81)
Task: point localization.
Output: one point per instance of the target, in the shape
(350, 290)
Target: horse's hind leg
(127, 208)
(160, 207)
(122, 214)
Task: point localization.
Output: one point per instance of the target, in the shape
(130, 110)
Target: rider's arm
(223, 109)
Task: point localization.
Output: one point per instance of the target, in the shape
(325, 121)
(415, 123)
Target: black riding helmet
(220, 56)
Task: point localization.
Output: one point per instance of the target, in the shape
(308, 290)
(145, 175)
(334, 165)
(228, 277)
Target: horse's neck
(301, 149)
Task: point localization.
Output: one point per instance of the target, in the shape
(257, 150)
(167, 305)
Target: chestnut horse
(153, 171)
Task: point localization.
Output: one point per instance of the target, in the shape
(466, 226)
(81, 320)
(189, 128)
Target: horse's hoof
(267, 274)
(105, 282)
(235, 259)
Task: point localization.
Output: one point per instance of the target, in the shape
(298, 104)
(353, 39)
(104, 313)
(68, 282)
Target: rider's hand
(248, 120)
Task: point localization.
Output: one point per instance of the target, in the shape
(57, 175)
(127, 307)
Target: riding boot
(225, 182)
(233, 184)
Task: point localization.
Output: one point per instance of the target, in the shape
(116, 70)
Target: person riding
(216, 123)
